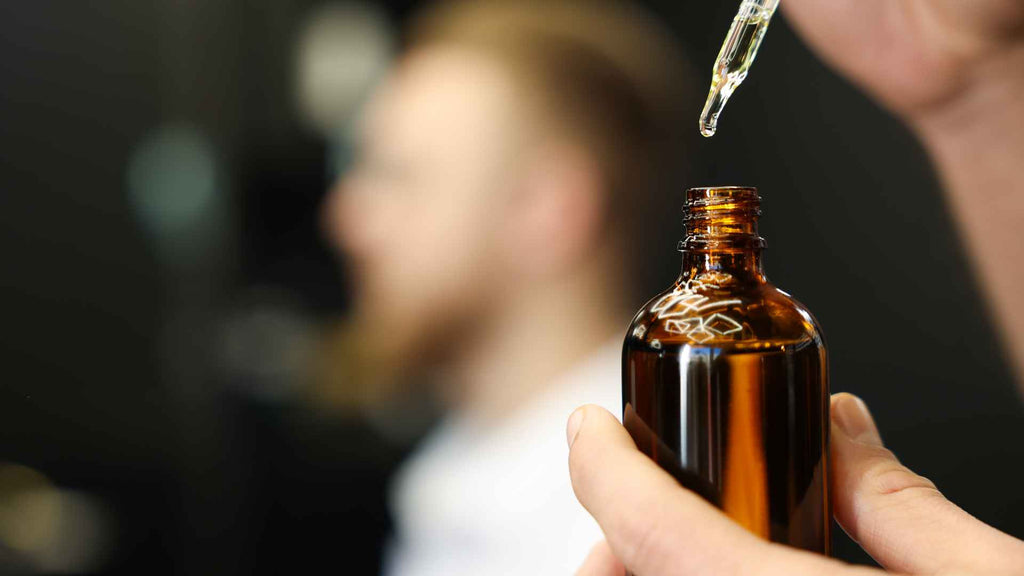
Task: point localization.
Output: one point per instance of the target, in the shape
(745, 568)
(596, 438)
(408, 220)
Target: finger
(855, 36)
(656, 527)
(601, 562)
(899, 517)
(847, 21)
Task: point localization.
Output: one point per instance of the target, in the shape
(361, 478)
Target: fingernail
(853, 418)
(573, 427)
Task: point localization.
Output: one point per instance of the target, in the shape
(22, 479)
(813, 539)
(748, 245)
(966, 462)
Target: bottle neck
(722, 243)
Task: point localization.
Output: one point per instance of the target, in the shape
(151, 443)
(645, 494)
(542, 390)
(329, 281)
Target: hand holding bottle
(656, 528)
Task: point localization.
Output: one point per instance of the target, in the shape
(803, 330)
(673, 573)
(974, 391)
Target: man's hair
(613, 77)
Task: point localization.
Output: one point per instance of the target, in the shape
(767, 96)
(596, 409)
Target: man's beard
(400, 355)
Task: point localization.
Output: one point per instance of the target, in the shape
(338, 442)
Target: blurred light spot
(342, 51)
(53, 530)
(174, 184)
(28, 508)
(173, 177)
(268, 345)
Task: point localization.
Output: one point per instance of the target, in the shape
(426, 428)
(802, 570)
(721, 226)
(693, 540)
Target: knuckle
(640, 538)
(667, 539)
(896, 479)
(643, 538)
(887, 483)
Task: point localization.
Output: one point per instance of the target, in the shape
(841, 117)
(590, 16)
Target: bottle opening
(721, 199)
(722, 217)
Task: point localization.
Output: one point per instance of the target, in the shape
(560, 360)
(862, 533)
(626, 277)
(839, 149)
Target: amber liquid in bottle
(725, 380)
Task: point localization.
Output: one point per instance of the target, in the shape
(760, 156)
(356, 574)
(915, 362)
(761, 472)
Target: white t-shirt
(496, 501)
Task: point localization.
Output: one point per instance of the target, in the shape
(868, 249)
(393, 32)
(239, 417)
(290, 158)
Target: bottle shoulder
(755, 316)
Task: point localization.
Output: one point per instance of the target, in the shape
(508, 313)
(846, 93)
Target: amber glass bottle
(725, 380)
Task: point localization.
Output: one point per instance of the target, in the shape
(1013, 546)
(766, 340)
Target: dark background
(111, 376)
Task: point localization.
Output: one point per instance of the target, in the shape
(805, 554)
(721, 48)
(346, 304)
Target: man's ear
(557, 212)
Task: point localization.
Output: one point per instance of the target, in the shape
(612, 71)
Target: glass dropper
(734, 59)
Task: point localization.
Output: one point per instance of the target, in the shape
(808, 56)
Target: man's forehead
(445, 91)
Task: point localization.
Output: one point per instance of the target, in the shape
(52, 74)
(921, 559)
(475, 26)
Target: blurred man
(509, 172)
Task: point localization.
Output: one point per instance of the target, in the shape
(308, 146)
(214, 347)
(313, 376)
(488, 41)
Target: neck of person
(533, 336)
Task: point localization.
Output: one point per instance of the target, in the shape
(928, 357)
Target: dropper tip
(717, 97)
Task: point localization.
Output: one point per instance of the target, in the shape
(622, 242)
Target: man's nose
(357, 222)
(333, 215)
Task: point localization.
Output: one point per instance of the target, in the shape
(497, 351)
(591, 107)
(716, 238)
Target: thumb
(899, 517)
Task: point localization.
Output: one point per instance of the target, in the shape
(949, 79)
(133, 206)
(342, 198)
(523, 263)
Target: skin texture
(954, 72)
(656, 528)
